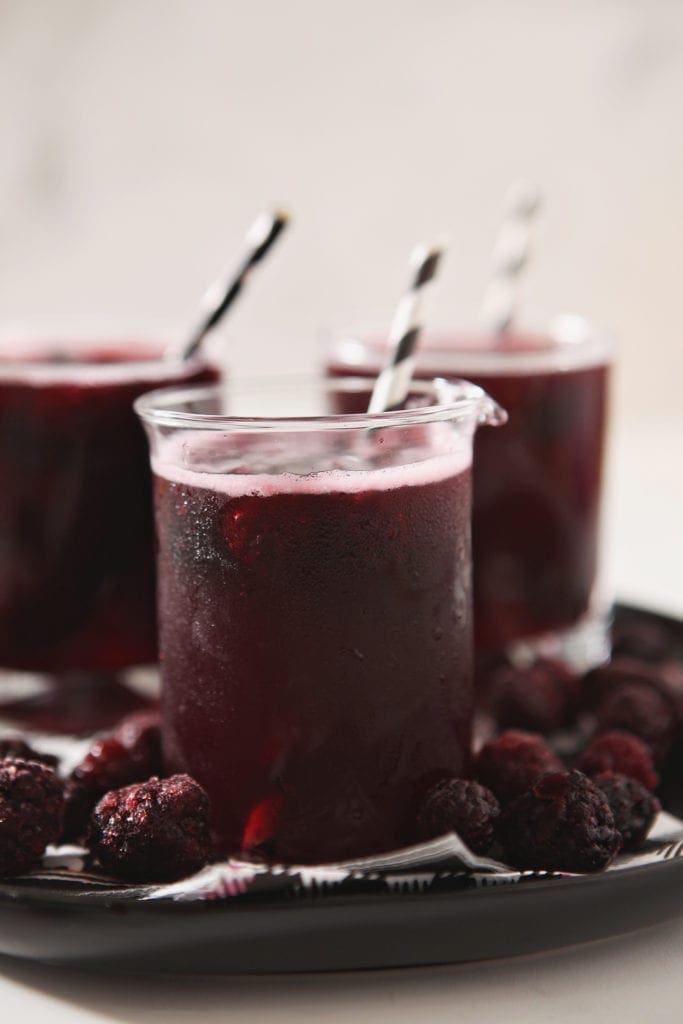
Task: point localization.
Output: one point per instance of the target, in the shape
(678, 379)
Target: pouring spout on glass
(486, 411)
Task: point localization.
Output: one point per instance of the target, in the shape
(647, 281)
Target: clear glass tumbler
(537, 484)
(314, 573)
(76, 531)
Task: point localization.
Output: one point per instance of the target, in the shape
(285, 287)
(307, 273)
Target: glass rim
(80, 335)
(466, 401)
(580, 343)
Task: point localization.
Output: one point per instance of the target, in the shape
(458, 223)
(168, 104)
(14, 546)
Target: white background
(139, 137)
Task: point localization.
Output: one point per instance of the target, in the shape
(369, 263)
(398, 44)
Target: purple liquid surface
(76, 528)
(316, 653)
(536, 494)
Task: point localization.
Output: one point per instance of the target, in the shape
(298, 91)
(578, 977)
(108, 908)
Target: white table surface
(631, 978)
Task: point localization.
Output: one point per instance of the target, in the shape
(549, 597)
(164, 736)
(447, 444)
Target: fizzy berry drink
(537, 483)
(315, 618)
(76, 532)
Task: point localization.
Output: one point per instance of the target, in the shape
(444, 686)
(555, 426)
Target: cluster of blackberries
(525, 806)
(543, 815)
(522, 803)
(137, 826)
(625, 694)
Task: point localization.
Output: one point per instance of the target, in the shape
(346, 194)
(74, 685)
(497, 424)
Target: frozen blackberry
(462, 806)
(15, 747)
(620, 752)
(31, 813)
(634, 808)
(106, 766)
(509, 764)
(140, 735)
(153, 831)
(540, 698)
(563, 823)
(601, 682)
(642, 710)
(132, 753)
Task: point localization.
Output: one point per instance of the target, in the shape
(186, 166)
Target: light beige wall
(140, 136)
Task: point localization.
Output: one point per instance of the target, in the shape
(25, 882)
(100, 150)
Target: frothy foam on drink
(570, 344)
(365, 463)
(79, 363)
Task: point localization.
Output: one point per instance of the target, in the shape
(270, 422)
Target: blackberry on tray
(562, 823)
(152, 831)
(540, 697)
(31, 813)
(15, 747)
(620, 752)
(462, 806)
(509, 764)
(633, 806)
(132, 753)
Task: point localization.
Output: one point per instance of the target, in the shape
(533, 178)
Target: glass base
(581, 646)
(73, 703)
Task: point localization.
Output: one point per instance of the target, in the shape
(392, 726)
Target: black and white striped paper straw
(393, 383)
(267, 227)
(510, 257)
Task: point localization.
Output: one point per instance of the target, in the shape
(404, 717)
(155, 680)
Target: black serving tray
(440, 911)
(322, 931)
